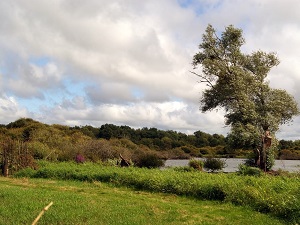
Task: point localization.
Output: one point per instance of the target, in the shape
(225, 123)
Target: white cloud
(10, 110)
(132, 60)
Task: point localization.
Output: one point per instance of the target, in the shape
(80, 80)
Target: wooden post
(41, 213)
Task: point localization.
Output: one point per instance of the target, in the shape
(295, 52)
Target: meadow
(76, 202)
(276, 196)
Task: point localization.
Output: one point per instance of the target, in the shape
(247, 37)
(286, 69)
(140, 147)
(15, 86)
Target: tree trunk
(266, 143)
(5, 167)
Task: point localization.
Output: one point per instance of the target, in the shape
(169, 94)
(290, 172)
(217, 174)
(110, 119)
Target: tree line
(26, 140)
(56, 136)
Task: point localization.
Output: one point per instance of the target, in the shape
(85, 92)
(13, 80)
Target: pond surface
(232, 164)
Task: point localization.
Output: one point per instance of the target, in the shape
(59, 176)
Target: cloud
(128, 63)
(10, 110)
(107, 93)
(168, 116)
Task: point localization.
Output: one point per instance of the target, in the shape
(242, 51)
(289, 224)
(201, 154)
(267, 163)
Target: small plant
(196, 164)
(79, 158)
(214, 164)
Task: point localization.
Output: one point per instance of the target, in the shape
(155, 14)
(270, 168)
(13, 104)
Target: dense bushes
(278, 195)
(289, 154)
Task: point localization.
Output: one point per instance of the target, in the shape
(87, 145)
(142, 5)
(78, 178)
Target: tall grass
(276, 195)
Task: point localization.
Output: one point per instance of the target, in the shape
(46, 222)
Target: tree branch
(204, 79)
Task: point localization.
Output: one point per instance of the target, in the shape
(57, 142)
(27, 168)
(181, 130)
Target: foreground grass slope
(276, 195)
(100, 203)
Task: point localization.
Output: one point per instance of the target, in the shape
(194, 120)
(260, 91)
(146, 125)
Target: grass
(278, 196)
(100, 203)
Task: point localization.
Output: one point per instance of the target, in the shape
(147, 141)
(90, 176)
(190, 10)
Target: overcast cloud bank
(127, 62)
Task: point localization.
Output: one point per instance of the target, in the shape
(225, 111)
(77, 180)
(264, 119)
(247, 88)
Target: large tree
(237, 83)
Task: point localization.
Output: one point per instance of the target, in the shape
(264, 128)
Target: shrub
(196, 164)
(191, 150)
(79, 158)
(248, 170)
(99, 150)
(214, 164)
(288, 154)
(27, 172)
(148, 160)
(178, 153)
(204, 151)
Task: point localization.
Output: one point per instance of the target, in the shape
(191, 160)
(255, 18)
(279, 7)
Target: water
(232, 164)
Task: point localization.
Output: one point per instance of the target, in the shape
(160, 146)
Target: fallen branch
(41, 213)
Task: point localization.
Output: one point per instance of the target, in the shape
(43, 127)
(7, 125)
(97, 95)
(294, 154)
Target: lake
(232, 164)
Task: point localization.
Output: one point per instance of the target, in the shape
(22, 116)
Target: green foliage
(148, 160)
(237, 82)
(26, 172)
(183, 169)
(99, 150)
(22, 122)
(39, 149)
(177, 153)
(79, 203)
(271, 155)
(289, 154)
(276, 195)
(158, 139)
(214, 164)
(196, 164)
(62, 143)
(248, 170)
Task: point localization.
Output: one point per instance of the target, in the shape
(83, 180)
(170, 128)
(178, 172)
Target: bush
(79, 158)
(214, 164)
(288, 154)
(177, 153)
(99, 150)
(148, 160)
(27, 172)
(196, 164)
(248, 170)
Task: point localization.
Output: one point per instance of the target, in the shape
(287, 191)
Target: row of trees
(46, 138)
(26, 129)
(159, 139)
(25, 140)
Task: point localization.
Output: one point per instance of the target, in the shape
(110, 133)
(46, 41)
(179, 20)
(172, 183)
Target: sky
(128, 62)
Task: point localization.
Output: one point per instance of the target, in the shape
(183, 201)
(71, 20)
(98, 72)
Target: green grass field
(77, 202)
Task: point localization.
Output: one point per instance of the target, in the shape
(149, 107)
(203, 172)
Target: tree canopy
(237, 82)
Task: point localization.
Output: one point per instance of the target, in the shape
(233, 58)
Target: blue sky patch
(40, 61)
